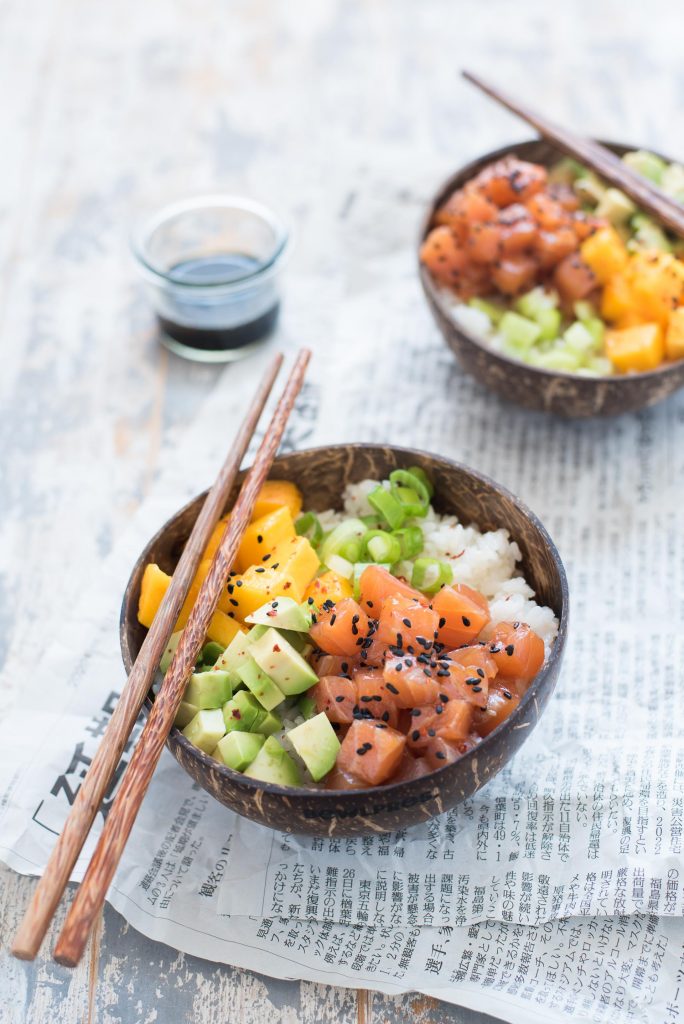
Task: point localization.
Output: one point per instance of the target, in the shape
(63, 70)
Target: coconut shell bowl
(322, 474)
(560, 393)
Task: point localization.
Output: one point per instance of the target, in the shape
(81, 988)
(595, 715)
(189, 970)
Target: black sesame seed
(265, 558)
(415, 735)
(238, 583)
(431, 732)
(480, 672)
(507, 695)
(233, 602)
(344, 666)
(438, 709)
(465, 621)
(339, 698)
(509, 650)
(260, 539)
(442, 623)
(441, 755)
(360, 751)
(473, 680)
(416, 712)
(376, 696)
(260, 569)
(369, 603)
(366, 699)
(332, 619)
(310, 600)
(516, 625)
(230, 588)
(477, 689)
(392, 689)
(407, 623)
(385, 716)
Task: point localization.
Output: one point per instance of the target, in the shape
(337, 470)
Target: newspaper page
(555, 892)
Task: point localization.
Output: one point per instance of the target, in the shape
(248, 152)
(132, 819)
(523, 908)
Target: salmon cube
(372, 697)
(574, 279)
(405, 622)
(342, 629)
(502, 702)
(517, 650)
(440, 752)
(443, 256)
(376, 583)
(409, 682)
(461, 614)
(371, 751)
(514, 274)
(336, 697)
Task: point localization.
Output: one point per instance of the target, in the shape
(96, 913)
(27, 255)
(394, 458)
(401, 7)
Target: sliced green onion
(424, 479)
(410, 491)
(309, 526)
(341, 566)
(411, 540)
(388, 506)
(359, 569)
(342, 537)
(407, 478)
(430, 575)
(382, 546)
(371, 522)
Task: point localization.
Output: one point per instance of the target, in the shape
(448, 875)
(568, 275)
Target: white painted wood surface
(344, 115)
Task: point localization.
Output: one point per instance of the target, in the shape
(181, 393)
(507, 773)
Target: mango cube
(276, 493)
(656, 280)
(617, 300)
(328, 587)
(297, 559)
(674, 337)
(605, 253)
(215, 539)
(262, 535)
(636, 349)
(155, 583)
(256, 586)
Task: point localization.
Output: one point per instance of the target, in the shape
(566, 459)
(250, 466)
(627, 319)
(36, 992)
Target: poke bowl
(588, 276)
(482, 534)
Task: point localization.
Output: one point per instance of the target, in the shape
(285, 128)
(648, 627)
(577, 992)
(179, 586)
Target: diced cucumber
(648, 165)
(648, 234)
(492, 311)
(583, 310)
(208, 689)
(549, 321)
(238, 749)
(596, 328)
(186, 712)
(518, 332)
(578, 340)
(556, 359)
(600, 365)
(206, 729)
(533, 302)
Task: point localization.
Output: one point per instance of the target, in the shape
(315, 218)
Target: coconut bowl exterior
(322, 474)
(563, 394)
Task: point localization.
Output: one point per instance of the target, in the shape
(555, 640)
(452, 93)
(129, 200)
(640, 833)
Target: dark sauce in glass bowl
(226, 321)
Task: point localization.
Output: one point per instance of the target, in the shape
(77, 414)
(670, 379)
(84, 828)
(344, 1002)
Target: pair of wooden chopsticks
(138, 775)
(597, 157)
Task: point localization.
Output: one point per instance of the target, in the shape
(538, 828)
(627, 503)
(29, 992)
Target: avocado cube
(255, 632)
(235, 653)
(209, 655)
(274, 764)
(283, 613)
(238, 749)
(209, 689)
(317, 745)
(267, 723)
(206, 729)
(260, 684)
(306, 706)
(242, 713)
(282, 663)
(167, 656)
(186, 712)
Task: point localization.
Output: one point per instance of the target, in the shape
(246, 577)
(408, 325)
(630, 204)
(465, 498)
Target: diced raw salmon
(337, 779)
(564, 196)
(331, 665)
(502, 702)
(455, 720)
(371, 751)
(440, 752)
(514, 274)
(410, 768)
(337, 697)
(517, 650)
(511, 180)
(342, 629)
(461, 614)
(466, 686)
(373, 654)
(476, 658)
(443, 256)
(548, 214)
(574, 279)
(553, 246)
(484, 243)
(409, 682)
(519, 237)
(404, 622)
(377, 583)
(372, 697)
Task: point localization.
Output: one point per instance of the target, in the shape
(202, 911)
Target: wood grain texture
(344, 116)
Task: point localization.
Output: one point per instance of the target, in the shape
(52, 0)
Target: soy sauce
(230, 318)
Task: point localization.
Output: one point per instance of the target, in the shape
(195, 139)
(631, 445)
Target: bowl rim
(433, 293)
(551, 664)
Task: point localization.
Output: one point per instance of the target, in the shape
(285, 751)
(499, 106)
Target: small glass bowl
(212, 268)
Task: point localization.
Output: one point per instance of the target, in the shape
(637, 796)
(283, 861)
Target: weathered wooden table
(343, 115)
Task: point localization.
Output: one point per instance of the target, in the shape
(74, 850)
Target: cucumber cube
(490, 310)
(578, 340)
(518, 332)
(238, 749)
(648, 165)
(261, 684)
(533, 302)
(549, 321)
(209, 689)
(206, 729)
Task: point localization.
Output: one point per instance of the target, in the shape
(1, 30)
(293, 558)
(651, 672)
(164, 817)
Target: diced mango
(329, 587)
(674, 337)
(636, 349)
(297, 559)
(276, 493)
(200, 575)
(258, 585)
(656, 280)
(261, 536)
(215, 538)
(617, 300)
(605, 253)
(155, 583)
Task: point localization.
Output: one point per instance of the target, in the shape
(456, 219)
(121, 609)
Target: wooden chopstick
(138, 775)
(91, 793)
(595, 156)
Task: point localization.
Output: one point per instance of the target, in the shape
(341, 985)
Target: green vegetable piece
(268, 723)
(615, 206)
(274, 764)
(283, 664)
(560, 359)
(238, 749)
(381, 546)
(371, 522)
(431, 574)
(260, 683)
(205, 729)
(243, 713)
(424, 478)
(283, 613)
(579, 340)
(208, 689)
(648, 165)
(308, 525)
(186, 712)
(518, 332)
(589, 188)
(234, 655)
(488, 308)
(358, 572)
(346, 537)
(317, 745)
(342, 566)
(672, 182)
(536, 301)
(306, 706)
(389, 507)
(167, 656)
(565, 172)
(549, 321)
(411, 541)
(648, 235)
(596, 328)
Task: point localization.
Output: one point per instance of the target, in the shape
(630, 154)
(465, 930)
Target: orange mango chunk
(276, 494)
(636, 349)
(605, 253)
(328, 587)
(674, 337)
(155, 583)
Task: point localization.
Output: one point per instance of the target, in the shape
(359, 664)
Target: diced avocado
(490, 310)
(209, 655)
(206, 729)
(208, 689)
(306, 706)
(242, 713)
(615, 206)
(281, 662)
(672, 182)
(579, 340)
(255, 632)
(234, 655)
(317, 745)
(267, 723)
(238, 749)
(167, 656)
(300, 641)
(186, 712)
(532, 303)
(518, 332)
(283, 613)
(648, 234)
(648, 165)
(274, 764)
(565, 172)
(589, 188)
(260, 683)
(549, 321)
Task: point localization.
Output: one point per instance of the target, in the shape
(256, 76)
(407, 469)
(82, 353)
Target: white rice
(487, 562)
